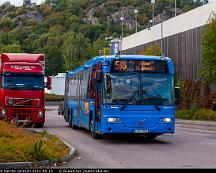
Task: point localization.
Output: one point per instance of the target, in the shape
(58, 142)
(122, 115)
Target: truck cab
(22, 88)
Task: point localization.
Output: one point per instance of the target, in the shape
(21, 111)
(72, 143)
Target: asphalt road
(190, 147)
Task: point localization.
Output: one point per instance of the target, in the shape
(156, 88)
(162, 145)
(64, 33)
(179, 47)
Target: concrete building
(58, 84)
(7, 4)
(179, 37)
(28, 3)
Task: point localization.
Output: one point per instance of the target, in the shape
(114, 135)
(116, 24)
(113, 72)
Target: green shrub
(38, 152)
(205, 114)
(186, 114)
(20, 145)
(196, 114)
(53, 97)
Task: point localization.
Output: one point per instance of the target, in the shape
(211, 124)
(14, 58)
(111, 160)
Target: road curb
(43, 163)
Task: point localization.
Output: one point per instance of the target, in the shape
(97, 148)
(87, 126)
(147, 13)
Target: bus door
(97, 108)
(98, 90)
(79, 101)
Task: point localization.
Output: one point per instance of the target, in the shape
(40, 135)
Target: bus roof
(102, 59)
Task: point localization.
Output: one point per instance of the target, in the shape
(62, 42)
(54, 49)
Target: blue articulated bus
(129, 94)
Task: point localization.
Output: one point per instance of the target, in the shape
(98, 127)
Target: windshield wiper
(156, 106)
(129, 102)
(124, 106)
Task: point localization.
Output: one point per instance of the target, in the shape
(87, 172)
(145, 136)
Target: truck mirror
(214, 106)
(99, 76)
(48, 83)
(177, 95)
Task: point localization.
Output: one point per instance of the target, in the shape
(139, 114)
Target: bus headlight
(4, 113)
(113, 120)
(40, 114)
(166, 120)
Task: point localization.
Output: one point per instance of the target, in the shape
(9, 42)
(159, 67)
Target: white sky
(20, 2)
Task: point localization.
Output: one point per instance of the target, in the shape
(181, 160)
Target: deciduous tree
(208, 66)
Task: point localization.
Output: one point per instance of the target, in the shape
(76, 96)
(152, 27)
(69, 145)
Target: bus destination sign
(139, 66)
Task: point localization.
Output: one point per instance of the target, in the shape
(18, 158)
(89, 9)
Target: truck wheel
(94, 135)
(39, 125)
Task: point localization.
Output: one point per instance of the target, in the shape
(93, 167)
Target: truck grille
(22, 102)
(21, 114)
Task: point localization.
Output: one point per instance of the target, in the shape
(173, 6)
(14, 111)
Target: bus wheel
(94, 135)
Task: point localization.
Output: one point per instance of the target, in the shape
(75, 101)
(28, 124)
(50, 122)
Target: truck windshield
(138, 88)
(23, 81)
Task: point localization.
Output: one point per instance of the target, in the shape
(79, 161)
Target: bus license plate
(140, 131)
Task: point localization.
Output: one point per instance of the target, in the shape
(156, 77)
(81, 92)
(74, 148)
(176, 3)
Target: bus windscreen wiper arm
(156, 106)
(124, 106)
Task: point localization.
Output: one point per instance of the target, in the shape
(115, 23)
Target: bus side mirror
(99, 76)
(48, 83)
(177, 95)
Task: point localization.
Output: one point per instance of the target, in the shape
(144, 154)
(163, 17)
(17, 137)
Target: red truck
(22, 88)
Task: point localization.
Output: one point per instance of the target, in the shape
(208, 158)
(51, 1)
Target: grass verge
(20, 145)
(196, 114)
(53, 97)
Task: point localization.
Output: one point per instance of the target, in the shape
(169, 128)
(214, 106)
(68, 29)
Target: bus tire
(94, 134)
(71, 124)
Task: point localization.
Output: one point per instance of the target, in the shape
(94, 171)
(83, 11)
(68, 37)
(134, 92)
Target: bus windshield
(138, 88)
(23, 81)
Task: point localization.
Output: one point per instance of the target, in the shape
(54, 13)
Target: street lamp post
(122, 22)
(136, 13)
(161, 37)
(153, 3)
(150, 23)
(110, 45)
(175, 7)
(161, 30)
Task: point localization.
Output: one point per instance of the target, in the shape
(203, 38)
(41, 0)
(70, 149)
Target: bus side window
(90, 90)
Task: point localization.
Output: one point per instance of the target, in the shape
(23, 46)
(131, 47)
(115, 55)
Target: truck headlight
(166, 120)
(4, 113)
(114, 120)
(40, 114)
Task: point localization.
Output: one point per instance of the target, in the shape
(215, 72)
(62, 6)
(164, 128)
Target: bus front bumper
(160, 128)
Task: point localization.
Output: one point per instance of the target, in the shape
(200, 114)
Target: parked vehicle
(61, 108)
(214, 106)
(122, 94)
(22, 88)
